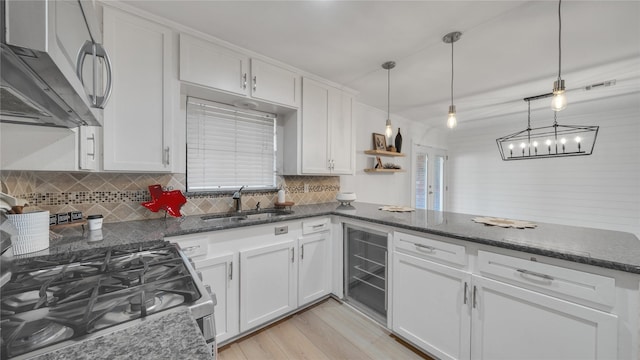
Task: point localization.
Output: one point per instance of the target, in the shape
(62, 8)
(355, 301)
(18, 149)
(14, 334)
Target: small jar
(95, 222)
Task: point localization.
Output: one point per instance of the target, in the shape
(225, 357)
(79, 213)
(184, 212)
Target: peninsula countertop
(604, 248)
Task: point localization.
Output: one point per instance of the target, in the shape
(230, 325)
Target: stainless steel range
(52, 301)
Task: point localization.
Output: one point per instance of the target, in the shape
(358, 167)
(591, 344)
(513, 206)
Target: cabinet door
(137, 117)
(273, 83)
(431, 306)
(513, 323)
(219, 273)
(267, 283)
(341, 127)
(315, 128)
(314, 273)
(214, 66)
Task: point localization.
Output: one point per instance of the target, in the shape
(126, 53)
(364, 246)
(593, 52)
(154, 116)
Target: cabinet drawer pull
(425, 247)
(191, 248)
(532, 273)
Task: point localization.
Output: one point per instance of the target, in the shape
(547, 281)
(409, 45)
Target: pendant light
(547, 141)
(559, 99)
(450, 38)
(388, 130)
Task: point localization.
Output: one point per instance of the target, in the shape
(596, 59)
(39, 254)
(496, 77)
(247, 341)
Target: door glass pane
(421, 181)
(438, 183)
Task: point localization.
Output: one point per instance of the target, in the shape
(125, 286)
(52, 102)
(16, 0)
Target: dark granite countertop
(604, 248)
(172, 336)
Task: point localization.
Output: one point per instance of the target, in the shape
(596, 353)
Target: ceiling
(508, 50)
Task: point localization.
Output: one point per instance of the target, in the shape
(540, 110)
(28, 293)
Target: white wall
(385, 188)
(601, 190)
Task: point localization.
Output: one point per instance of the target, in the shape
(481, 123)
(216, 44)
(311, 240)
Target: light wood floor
(328, 330)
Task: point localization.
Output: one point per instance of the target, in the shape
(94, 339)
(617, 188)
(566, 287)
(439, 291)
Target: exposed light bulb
(535, 144)
(548, 142)
(451, 120)
(388, 130)
(563, 141)
(559, 101)
(511, 146)
(578, 139)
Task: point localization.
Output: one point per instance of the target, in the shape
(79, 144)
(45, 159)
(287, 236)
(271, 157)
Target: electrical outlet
(306, 188)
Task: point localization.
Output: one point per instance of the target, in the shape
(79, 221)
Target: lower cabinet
(314, 270)
(268, 279)
(430, 307)
(453, 313)
(218, 272)
(510, 322)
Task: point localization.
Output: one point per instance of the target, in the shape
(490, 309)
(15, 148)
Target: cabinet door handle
(302, 251)
(255, 82)
(465, 292)
(425, 247)
(93, 142)
(166, 154)
(231, 271)
(244, 81)
(293, 252)
(533, 273)
(475, 296)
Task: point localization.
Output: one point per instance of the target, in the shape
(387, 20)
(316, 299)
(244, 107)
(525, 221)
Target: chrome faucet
(237, 197)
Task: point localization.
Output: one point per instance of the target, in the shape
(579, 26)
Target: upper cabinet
(206, 64)
(327, 130)
(213, 66)
(137, 121)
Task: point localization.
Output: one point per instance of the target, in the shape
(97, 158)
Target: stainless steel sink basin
(245, 215)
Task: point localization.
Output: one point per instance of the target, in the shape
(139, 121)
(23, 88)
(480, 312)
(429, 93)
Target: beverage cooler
(365, 272)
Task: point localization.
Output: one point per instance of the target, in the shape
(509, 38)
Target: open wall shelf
(383, 153)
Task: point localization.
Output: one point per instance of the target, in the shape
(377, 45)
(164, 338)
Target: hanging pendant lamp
(559, 99)
(389, 129)
(450, 38)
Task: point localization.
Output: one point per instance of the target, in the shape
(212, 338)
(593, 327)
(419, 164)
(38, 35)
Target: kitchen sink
(246, 215)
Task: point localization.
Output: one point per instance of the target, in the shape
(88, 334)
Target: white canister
(95, 222)
(281, 199)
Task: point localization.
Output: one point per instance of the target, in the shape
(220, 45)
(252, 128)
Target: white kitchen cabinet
(39, 148)
(509, 322)
(268, 279)
(274, 84)
(314, 270)
(327, 130)
(505, 307)
(219, 273)
(430, 306)
(206, 64)
(137, 119)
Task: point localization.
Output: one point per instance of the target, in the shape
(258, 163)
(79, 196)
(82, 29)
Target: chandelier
(548, 141)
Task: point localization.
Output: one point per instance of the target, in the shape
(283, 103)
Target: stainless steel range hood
(44, 78)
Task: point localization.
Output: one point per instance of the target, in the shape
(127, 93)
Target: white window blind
(229, 147)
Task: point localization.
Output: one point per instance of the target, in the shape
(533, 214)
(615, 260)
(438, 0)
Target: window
(229, 147)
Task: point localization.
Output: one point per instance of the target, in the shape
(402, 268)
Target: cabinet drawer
(552, 279)
(193, 247)
(314, 226)
(431, 249)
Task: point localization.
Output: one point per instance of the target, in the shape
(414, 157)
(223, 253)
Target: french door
(429, 178)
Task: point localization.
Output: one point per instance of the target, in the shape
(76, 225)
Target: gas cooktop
(51, 300)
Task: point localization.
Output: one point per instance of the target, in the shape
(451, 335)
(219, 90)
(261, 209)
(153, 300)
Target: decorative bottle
(398, 141)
